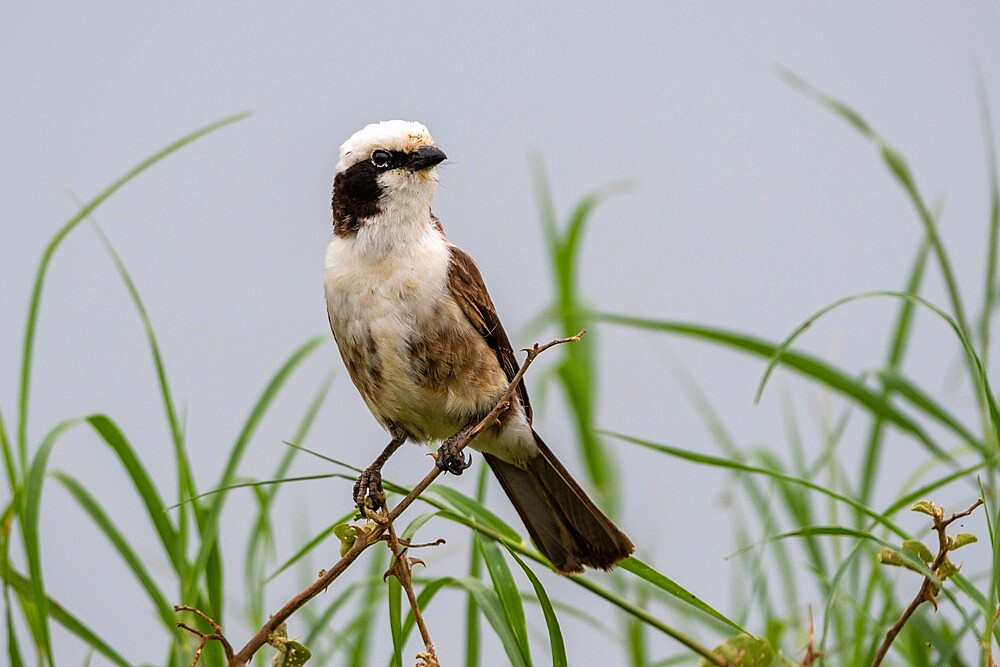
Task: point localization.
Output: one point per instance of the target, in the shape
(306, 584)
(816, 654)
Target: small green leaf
(925, 507)
(889, 556)
(745, 651)
(947, 570)
(960, 540)
(347, 534)
(291, 654)
(918, 549)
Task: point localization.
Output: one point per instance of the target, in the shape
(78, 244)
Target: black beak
(425, 158)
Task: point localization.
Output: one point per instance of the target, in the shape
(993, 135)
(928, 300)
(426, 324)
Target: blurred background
(749, 207)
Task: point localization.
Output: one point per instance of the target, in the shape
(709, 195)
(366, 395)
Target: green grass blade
(260, 540)
(804, 364)
(209, 526)
(395, 596)
(990, 282)
(30, 519)
(36, 292)
(475, 510)
(25, 587)
(507, 593)
(493, 610)
(557, 646)
(14, 656)
(320, 537)
(665, 583)
(811, 531)
(898, 167)
(112, 435)
(975, 363)
(186, 485)
(717, 462)
(927, 405)
(365, 617)
(475, 569)
(8, 458)
(97, 514)
(897, 349)
(615, 599)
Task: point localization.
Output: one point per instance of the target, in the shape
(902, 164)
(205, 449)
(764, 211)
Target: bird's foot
(368, 492)
(450, 457)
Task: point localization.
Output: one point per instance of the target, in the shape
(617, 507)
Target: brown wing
(469, 290)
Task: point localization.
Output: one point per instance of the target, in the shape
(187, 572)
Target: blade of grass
(25, 587)
(898, 167)
(975, 363)
(990, 278)
(30, 532)
(927, 405)
(807, 365)
(718, 462)
(507, 593)
(36, 292)
(897, 349)
(493, 610)
(557, 646)
(153, 503)
(475, 569)
(97, 514)
(395, 595)
(209, 526)
(665, 583)
(185, 480)
(320, 537)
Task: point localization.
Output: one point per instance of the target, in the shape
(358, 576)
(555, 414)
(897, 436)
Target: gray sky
(752, 207)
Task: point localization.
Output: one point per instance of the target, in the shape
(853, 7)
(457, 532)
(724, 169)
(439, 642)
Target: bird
(422, 342)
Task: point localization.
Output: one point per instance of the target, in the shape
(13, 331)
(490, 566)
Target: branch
(368, 537)
(928, 588)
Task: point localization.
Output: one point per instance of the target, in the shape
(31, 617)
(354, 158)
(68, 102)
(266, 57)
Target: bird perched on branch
(421, 340)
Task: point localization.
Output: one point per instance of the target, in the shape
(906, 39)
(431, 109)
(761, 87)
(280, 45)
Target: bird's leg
(370, 481)
(450, 457)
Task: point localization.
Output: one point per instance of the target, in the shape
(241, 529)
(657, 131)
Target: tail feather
(565, 524)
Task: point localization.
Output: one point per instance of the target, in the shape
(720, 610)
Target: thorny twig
(367, 538)
(927, 588)
(204, 636)
(402, 569)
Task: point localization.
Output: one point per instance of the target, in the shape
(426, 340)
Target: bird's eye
(381, 159)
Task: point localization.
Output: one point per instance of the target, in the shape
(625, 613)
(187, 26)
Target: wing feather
(467, 286)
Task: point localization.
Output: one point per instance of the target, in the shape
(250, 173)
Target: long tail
(564, 523)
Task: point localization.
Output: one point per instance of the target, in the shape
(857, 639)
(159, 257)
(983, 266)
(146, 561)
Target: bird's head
(385, 169)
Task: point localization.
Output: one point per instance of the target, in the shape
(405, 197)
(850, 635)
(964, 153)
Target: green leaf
(807, 365)
(36, 291)
(948, 569)
(294, 655)
(121, 545)
(348, 535)
(395, 620)
(475, 511)
(208, 527)
(60, 615)
(556, 644)
(918, 549)
(507, 593)
(926, 507)
(961, 540)
(492, 609)
(30, 531)
(888, 556)
(661, 581)
(743, 651)
(715, 461)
